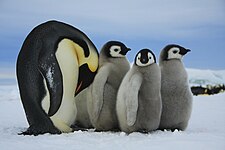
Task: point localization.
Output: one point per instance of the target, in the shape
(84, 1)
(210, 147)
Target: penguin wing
(131, 98)
(50, 70)
(98, 90)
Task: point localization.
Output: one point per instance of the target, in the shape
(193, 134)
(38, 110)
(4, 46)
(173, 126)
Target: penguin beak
(85, 78)
(124, 51)
(127, 50)
(144, 61)
(184, 51)
(188, 50)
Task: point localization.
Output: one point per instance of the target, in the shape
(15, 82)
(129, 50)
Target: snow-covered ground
(206, 129)
(206, 77)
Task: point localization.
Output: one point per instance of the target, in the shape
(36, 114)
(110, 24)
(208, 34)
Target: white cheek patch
(150, 60)
(115, 51)
(138, 60)
(173, 55)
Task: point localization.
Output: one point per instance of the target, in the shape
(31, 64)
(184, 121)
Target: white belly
(67, 59)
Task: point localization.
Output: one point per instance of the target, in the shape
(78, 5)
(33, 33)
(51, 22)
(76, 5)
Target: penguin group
(65, 84)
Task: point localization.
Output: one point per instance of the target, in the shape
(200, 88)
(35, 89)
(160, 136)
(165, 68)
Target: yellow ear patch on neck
(91, 60)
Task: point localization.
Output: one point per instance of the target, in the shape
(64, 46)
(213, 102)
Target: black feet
(33, 130)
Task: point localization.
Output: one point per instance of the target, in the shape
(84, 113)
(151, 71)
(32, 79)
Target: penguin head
(173, 51)
(115, 49)
(145, 57)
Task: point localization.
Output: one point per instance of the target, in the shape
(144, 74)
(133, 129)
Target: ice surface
(205, 131)
(206, 77)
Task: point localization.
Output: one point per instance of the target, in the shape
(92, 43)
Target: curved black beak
(124, 51)
(144, 60)
(128, 49)
(184, 51)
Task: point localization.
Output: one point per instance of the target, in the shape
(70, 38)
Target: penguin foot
(172, 129)
(162, 129)
(77, 128)
(33, 130)
(176, 129)
(143, 131)
(96, 130)
(115, 130)
(112, 130)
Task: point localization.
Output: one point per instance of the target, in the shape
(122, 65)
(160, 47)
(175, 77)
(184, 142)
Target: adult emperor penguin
(113, 65)
(175, 91)
(139, 101)
(56, 62)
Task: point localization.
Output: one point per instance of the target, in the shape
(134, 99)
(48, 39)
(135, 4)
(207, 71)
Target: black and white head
(173, 51)
(145, 57)
(115, 49)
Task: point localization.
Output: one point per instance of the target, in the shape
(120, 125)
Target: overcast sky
(196, 24)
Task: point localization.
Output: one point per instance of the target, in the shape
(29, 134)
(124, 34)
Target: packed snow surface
(206, 77)
(206, 129)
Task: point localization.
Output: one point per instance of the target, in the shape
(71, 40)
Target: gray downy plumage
(82, 118)
(139, 101)
(175, 90)
(113, 65)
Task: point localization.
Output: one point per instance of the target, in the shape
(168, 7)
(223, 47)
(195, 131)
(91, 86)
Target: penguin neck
(151, 78)
(120, 61)
(118, 68)
(149, 71)
(173, 63)
(174, 68)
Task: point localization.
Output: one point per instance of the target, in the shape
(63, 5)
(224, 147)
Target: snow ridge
(206, 77)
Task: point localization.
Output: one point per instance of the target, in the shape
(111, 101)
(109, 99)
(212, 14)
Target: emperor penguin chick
(139, 101)
(175, 90)
(113, 65)
(82, 121)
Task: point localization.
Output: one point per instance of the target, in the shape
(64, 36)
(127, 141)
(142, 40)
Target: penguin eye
(175, 51)
(116, 49)
(149, 56)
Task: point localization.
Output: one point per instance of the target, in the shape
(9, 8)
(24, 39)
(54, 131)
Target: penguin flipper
(131, 98)
(98, 90)
(50, 70)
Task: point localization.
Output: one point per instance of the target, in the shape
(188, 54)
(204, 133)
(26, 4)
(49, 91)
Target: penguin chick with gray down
(113, 65)
(175, 91)
(82, 121)
(139, 102)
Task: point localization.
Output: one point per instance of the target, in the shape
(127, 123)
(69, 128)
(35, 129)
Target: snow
(206, 129)
(49, 75)
(206, 77)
